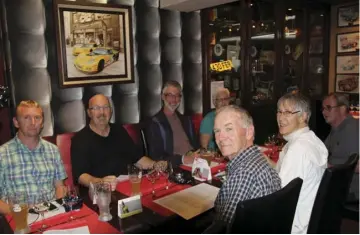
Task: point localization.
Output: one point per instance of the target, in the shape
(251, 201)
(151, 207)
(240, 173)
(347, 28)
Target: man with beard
(29, 165)
(343, 139)
(101, 151)
(171, 135)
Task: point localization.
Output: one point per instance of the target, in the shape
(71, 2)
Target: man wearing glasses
(171, 135)
(220, 99)
(303, 156)
(343, 139)
(101, 151)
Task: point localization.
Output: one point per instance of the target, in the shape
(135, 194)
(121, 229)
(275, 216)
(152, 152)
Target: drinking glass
(135, 175)
(43, 204)
(71, 197)
(103, 200)
(19, 206)
(167, 172)
(207, 155)
(152, 177)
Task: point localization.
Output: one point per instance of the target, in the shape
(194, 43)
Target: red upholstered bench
(63, 141)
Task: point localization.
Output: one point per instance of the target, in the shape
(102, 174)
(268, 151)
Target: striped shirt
(29, 171)
(249, 176)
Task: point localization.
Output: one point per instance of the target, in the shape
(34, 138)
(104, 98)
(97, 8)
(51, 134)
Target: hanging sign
(221, 66)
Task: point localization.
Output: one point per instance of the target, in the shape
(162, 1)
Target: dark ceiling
(335, 2)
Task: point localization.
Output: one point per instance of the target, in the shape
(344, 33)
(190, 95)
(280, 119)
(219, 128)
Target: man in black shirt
(101, 151)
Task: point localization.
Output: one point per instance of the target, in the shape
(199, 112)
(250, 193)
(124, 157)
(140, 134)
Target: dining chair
(327, 212)
(273, 213)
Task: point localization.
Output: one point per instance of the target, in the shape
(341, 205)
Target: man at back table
(343, 139)
(171, 135)
(249, 175)
(30, 165)
(101, 151)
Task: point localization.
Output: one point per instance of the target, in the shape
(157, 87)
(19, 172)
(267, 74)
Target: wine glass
(43, 204)
(71, 197)
(167, 172)
(152, 177)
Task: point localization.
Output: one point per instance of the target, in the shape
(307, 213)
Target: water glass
(167, 172)
(19, 206)
(103, 200)
(135, 176)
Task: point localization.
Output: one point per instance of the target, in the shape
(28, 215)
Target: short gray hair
(341, 99)
(219, 91)
(243, 115)
(300, 102)
(173, 84)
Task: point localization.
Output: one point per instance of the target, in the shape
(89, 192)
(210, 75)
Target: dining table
(153, 218)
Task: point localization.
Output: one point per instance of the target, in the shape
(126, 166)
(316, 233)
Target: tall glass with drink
(103, 200)
(135, 175)
(207, 155)
(19, 209)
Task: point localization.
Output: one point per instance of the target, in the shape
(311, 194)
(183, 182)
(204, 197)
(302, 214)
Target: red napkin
(148, 201)
(124, 187)
(273, 152)
(214, 170)
(86, 214)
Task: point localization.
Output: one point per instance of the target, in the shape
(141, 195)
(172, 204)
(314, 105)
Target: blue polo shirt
(207, 127)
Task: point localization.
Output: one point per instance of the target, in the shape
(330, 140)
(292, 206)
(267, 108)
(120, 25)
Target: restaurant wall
(167, 46)
(334, 30)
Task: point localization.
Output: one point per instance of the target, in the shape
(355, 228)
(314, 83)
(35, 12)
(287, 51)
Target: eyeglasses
(173, 96)
(329, 108)
(286, 113)
(97, 108)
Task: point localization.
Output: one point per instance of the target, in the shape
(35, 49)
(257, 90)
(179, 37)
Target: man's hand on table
(160, 165)
(112, 180)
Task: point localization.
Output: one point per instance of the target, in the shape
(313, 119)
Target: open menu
(192, 201)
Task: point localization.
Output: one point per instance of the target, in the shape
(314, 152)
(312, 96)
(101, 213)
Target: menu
(192, 201)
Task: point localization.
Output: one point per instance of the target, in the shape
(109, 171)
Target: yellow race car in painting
(83, 48)
(96, 60)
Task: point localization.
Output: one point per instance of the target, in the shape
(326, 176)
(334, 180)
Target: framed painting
(348, 16)
(348, 83)
(347, 42)
(347, 64)
(94, 44)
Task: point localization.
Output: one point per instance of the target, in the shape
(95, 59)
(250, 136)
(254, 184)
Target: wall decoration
(348, 83)
(316, 45)
(347, 64)
(94, 44)
(348, 16)
(347, 42)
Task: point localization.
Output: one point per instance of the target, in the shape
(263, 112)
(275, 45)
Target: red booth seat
(63, 141)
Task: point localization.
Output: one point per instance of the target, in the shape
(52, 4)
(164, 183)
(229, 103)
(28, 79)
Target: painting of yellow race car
(83, 48)
(96, 60)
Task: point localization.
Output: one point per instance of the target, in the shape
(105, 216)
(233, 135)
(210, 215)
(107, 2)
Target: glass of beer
(18, 203)
(135, 175)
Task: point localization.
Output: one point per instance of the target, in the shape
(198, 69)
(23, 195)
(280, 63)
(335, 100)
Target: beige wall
(334, 30)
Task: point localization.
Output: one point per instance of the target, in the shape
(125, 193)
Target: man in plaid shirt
(28, 164)
(248, 173)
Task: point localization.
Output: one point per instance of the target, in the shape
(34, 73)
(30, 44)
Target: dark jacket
(160, 141)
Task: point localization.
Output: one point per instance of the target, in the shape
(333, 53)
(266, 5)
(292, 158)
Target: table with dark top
(146, 222)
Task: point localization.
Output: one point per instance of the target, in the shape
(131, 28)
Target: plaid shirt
(30, 171)
(248, 176)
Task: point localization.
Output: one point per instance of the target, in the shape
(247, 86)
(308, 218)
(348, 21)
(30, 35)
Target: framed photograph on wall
(347, 64)
(348, 16)
(347, 42)
(348, 83)
(94, 43)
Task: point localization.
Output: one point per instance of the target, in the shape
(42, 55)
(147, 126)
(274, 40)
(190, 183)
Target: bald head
(99, 111)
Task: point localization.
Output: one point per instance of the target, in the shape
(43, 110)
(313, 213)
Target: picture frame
(347, 83)
(347, 64)
(94, 43)
(348, 16)
(347, 42)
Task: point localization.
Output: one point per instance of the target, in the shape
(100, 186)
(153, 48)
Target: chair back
(136, 133)
(273, 213)
(328, 206)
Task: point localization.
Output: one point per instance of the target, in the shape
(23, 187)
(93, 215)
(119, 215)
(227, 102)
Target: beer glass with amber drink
(19, 205)
(135, 175)
(207, 155)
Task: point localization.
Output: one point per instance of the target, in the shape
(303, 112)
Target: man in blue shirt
(220, 99)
